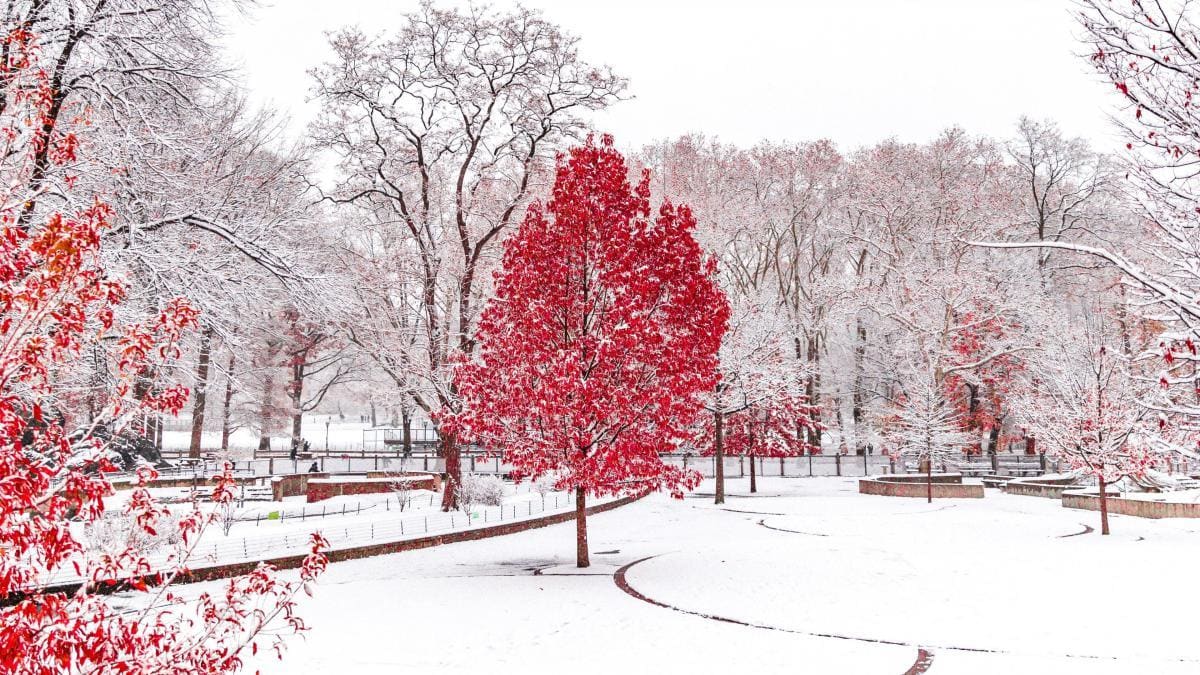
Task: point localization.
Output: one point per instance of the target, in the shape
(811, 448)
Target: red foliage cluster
(774, 428)
(980, 335)
(56, 300)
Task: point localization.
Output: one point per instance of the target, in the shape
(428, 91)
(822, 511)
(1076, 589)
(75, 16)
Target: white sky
(855, 71)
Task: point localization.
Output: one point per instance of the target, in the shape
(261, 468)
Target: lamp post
(327, 436)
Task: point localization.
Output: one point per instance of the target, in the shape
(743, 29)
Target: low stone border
(352, 553)
(919, 478)
(1132, 507)
(292, 485)
(1049, 488)
(950, 487)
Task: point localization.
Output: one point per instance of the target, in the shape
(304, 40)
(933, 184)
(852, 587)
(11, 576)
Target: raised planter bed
(1142, 508)
(914, 485)
(1049, 488)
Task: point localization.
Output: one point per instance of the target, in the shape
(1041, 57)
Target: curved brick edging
(923, 663)
(1087, 529)
(924, 656)
(924, 653)
(943, 490)
(229, 570)
(1132, 507)
(763, 523)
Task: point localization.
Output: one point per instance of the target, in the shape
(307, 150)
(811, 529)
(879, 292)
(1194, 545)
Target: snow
(810, 558)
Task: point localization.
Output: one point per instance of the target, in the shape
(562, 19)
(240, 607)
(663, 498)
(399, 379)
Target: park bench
(996, 481)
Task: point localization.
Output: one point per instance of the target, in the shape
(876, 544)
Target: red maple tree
(57, 301)
(601, 340)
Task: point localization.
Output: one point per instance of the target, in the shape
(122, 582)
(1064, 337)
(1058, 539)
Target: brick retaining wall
(1051, 488)
(320, 489)
(1132, 507)
(292, 485)
(437, 477)
(920, 478)
(871, 486)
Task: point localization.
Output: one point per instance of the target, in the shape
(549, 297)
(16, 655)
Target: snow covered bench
(974, 468)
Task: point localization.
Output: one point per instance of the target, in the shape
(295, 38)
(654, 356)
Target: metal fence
(216, 549)
(787, 467)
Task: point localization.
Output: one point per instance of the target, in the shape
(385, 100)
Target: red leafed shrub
(56, 301)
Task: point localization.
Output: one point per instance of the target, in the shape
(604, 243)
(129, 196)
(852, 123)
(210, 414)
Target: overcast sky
(855, 71)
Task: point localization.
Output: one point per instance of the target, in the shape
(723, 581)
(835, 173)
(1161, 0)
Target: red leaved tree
(56, 302)
(601, 339)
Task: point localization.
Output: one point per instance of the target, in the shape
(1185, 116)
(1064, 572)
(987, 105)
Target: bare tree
(442, 129)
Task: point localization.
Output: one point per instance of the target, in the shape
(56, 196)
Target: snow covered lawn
(832, 581)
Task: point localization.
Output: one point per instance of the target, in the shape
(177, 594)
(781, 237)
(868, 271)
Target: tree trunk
(1103, 507)
(929, 480)
(581, 543)
(753, 482)
(297, 394)
(374, 423)
(453, 471)
(813, 387)
(406, 434)
(200, 393)
(266, 414)
(857, 400)
(719, 456)
(157, 426)
(226, 413)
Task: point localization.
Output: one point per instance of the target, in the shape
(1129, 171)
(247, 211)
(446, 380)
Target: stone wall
(1049, 488)
(292, 485)
(920, 478)
(941, 490)
(320, 489)
(1132, 507)
(437, 477)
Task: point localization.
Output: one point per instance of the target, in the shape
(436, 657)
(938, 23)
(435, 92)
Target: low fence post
(837, 462)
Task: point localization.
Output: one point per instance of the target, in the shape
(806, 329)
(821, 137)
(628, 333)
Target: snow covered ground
(832, 581)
